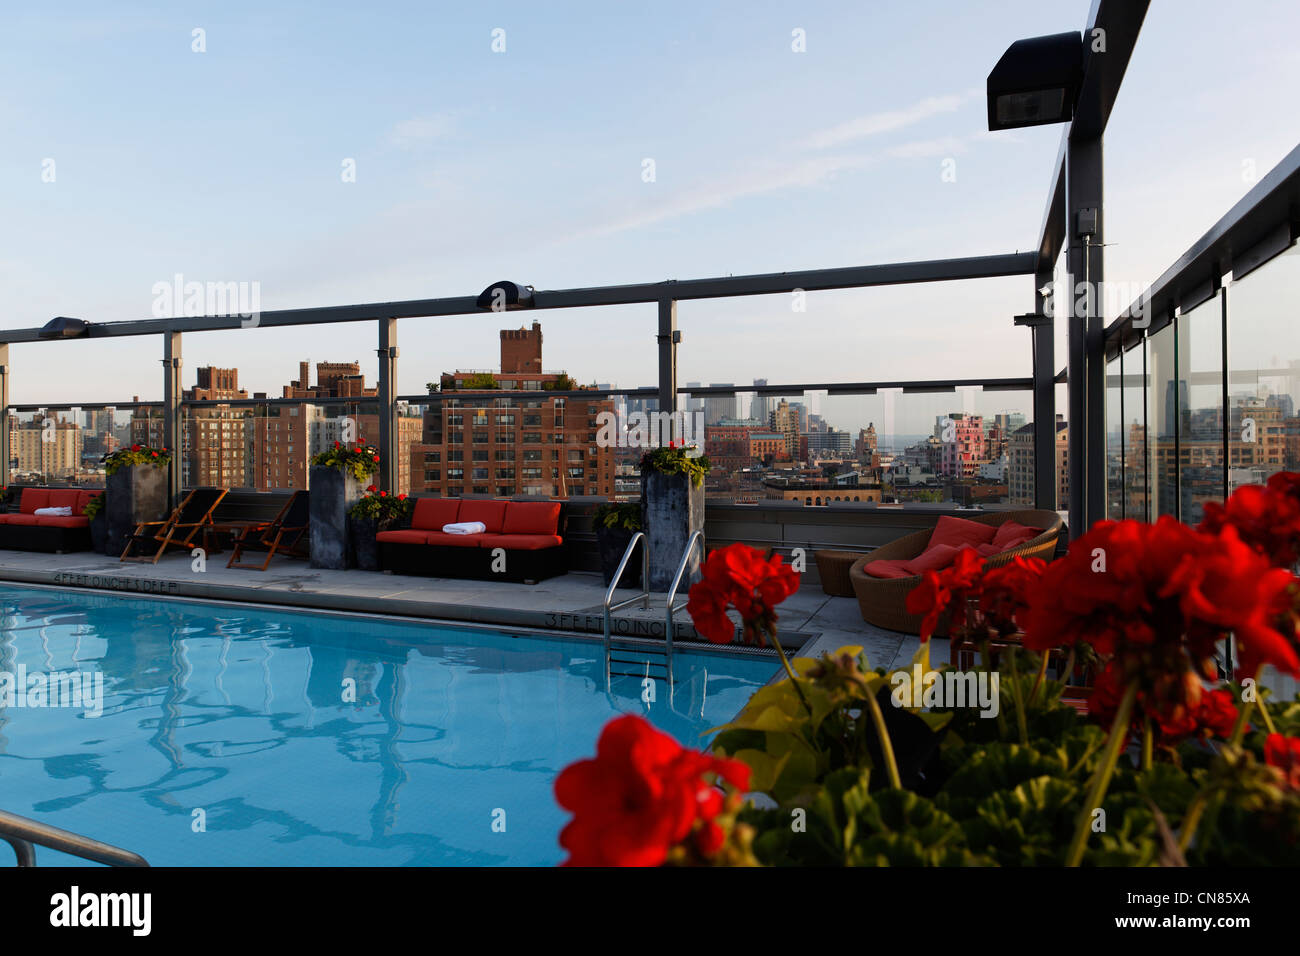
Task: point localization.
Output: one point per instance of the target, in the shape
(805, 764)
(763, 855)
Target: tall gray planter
(671, 510)
(133, 494)
(331, 493)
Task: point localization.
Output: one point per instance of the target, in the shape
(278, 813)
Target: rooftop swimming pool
(245, 736)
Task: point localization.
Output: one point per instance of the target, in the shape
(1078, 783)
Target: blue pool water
(239, 713)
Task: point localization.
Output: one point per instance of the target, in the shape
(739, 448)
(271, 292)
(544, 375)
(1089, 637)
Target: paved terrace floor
(810, 621)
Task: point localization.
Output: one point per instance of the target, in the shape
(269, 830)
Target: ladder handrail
(643, 597)
(22, 833)
(672, 595)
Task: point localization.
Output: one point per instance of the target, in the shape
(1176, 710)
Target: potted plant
(615, 524)
(135, 491)
(377, 511)
(335, 484)
(672, 508)
(98, 517)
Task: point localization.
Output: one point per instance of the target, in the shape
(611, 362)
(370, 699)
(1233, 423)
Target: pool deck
(810, 622)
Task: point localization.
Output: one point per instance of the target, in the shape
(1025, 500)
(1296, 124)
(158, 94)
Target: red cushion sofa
(529, 532)
(28, 531)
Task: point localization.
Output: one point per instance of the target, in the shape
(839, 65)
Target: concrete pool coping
(571, 604)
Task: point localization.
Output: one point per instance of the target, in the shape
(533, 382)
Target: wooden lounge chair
(286, 534)
(151, 538)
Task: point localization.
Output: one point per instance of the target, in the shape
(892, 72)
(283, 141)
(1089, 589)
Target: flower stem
(789, 671)
(1042, 675)
(1239, 728)
(886, 745)
(1191, 821)
(1147, 743)
(1015, 696)
(1101, 779)
(1263, 710)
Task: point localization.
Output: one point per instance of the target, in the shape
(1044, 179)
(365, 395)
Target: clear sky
(474, 165)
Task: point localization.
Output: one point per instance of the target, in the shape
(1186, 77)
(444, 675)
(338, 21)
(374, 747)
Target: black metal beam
(899, 273)
(1103, 73)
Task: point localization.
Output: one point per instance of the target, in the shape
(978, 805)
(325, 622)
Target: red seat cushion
(491, 512)
(444, 540)
(1012, 533)
(432, 513)
(886, 568)
(84, 498)
(404, 536)
(521, 542)
(22, 519)
(934, 558)
(64, 498)
(56, 521)
(959, 531)
(34, 498)
(987, 550)
(531, 517)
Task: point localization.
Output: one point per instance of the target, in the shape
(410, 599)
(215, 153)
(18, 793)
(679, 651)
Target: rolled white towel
(464, 527)
(63, 512)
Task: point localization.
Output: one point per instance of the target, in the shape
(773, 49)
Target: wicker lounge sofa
(883, 600)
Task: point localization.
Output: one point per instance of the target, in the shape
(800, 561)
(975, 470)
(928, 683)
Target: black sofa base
(51, 540)
(441, 562)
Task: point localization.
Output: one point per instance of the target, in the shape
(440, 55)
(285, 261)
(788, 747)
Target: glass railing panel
(1115, 438)
(1200, 409)
(1134, 433)
(66, 444)
(268, 446)
(1162, 417)
(1264, 371)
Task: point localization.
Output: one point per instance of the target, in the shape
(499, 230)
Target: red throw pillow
(959, 531)
(987, 550)
(886, 568)
(934, 558)
(1011, 533)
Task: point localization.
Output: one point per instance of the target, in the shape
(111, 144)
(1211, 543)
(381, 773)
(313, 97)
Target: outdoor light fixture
(62, 327)
(1036, 82)
(506, 296)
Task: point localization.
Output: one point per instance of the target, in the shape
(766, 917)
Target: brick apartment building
(477, 441)
(268, 447)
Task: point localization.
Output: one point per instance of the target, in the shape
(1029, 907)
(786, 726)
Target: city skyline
(435, 206)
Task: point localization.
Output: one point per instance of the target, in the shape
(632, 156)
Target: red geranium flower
(401, 497)
(1284, 754)
(1265, 518)
(940, 590)
(376, 458)
(1193, 712)
(383, 494)
(155, 454)
(745, 578)
(371, 488)
(135, 447)
(336, 444)
(640, 796)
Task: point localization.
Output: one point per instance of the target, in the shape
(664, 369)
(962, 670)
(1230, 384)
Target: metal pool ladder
(25, 835)
(672, 596)
(614, 644)
(610, 608)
